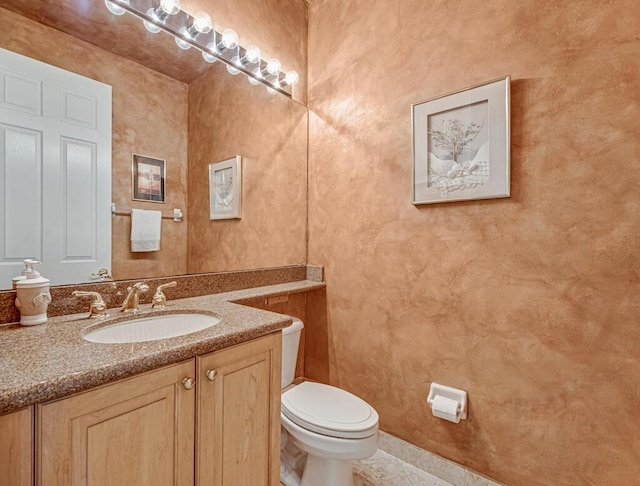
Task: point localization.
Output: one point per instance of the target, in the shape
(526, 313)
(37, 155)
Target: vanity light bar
(214, 45)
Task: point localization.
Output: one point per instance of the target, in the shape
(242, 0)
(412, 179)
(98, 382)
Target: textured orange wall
(149, 118)
(228, 117)
(270, 133)
(528, 303)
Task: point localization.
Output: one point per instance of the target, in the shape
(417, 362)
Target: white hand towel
(145, 230)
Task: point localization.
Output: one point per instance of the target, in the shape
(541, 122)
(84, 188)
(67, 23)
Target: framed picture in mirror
(225, 189)
(148, 178)
(461, 145)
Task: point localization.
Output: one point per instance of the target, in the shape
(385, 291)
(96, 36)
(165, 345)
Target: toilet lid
(329, 411)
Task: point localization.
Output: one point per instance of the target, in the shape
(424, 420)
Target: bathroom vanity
(146, 426)
(202, 408)
(228, 401)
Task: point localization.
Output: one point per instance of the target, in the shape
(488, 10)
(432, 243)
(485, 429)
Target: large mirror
(168, 104)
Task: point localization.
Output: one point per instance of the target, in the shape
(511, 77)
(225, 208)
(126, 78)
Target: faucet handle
(159, 299)
(98, 307)
(138, 287)
(103, 274)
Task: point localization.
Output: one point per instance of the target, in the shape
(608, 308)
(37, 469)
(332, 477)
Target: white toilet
(331, 425)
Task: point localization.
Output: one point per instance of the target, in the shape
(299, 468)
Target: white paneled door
(55, 169)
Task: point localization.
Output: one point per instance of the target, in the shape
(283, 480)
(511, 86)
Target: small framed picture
(148, 176)
(461, 145)
(225, 189)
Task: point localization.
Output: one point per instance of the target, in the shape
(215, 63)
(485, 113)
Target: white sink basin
(151, 328)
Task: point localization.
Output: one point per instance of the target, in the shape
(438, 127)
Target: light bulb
(154, 29)
(253, 54)
(291, 78)
(229, 38)
(208, 57)
(202, 22)
(171, 7)
(232, 70)
(182, 44)
(271, 90)
(258, 74)
(273, 66)
(150, 26)
(114, 8)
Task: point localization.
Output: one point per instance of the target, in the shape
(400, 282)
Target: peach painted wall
(528, 303)
(149, 118)
(228, 116)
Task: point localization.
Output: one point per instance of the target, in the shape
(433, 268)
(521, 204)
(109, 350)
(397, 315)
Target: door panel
(79, 189)
(141, 431)
(21, 92)
(79, 109)
(71, 190)
(20, 194)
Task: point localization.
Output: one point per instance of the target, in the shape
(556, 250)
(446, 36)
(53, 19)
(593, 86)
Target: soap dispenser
(33, 296)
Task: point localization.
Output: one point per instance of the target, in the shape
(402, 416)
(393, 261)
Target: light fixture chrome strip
(214, 45)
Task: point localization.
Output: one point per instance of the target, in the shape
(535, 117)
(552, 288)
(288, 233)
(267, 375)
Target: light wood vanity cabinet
(160, 429)
(16, 448)
(138, 431)
(239, 413)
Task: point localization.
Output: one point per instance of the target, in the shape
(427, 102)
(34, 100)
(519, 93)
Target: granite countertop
(52, 360)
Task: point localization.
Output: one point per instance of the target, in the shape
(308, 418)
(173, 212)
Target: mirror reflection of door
(55, 161)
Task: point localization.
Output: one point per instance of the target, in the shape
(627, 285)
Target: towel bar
(177, 213)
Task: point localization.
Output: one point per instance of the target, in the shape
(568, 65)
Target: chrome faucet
(159, 299)
(98, 307)
(132, 300)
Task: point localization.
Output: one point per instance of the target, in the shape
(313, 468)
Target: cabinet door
(16, 448)
(138, 431)
(239, 413)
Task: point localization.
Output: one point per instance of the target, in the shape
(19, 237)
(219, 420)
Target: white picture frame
(225, 189)
(461, 145)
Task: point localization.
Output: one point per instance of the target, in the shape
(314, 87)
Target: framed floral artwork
(461, 145)
(225, 189)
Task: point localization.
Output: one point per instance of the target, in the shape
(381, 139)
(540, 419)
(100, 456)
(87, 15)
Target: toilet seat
(329, 411)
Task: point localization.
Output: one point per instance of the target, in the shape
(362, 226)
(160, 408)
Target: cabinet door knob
(189, 383)
(211, 374)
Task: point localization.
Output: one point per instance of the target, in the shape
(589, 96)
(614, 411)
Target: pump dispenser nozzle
(30, 268)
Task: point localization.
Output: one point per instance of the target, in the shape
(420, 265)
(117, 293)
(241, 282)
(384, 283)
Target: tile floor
(383, 469)
(399, 463)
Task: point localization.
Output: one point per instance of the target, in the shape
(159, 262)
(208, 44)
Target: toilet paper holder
(451, 393)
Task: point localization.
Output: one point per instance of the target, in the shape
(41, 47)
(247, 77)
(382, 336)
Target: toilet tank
(290, 343)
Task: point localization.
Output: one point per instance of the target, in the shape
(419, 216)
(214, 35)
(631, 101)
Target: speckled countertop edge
(50, 361)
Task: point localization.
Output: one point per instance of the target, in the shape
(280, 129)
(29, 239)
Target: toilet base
(322, 472)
